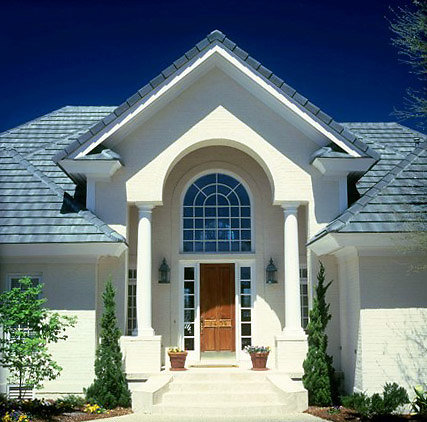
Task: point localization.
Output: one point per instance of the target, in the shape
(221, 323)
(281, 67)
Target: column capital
(146, 206)
(144, 209)
(290, 207)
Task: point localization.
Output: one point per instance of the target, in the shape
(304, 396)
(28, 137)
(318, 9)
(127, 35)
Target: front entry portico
(217, 229)
(217, 308)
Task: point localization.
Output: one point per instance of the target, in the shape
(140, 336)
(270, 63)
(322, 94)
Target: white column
(291, 344)
(143, 272)
(291, 261)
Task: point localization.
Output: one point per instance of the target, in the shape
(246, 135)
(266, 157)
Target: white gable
(240, 71)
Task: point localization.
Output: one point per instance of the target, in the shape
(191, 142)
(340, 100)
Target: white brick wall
(76, 356)
(69, 289)
(394, 322)
(349, 325)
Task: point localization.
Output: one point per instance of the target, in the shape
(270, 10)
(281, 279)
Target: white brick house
(218, 166)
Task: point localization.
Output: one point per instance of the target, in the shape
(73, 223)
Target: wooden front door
(217, 308)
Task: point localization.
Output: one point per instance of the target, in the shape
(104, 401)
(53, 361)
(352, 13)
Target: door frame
(194, 355)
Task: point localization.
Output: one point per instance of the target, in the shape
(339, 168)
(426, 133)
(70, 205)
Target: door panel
(217, 307)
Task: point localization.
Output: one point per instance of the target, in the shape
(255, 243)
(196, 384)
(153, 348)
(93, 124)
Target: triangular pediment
(216, 50)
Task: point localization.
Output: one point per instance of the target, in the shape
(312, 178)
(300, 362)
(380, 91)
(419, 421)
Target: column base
(143, 332)
(291, 350)
(142, 354)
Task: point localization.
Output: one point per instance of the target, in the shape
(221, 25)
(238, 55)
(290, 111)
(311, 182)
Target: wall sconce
(270, 272)
(164, 272)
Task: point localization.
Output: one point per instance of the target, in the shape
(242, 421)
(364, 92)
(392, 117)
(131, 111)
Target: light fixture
(270, 272)
(164, 272)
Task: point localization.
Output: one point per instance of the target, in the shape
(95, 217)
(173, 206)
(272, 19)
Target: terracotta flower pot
(259, 361)
(177, 360)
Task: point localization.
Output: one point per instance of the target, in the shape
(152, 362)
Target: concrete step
(248, 376)
(208, 398)
(223, 409)
(229, 387)
(232, 394)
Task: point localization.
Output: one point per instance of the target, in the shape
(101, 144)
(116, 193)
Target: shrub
(419, 404)
(110, 388)
(70, 402)
(376, 405)
(319, 377)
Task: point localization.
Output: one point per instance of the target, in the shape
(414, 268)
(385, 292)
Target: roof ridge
(86, 214)
(214, 38)
(371, 193)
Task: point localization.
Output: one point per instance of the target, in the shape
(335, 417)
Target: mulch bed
(347, 415)
(81, 416)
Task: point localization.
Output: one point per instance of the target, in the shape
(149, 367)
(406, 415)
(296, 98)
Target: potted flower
(177, 358)
(259, 356)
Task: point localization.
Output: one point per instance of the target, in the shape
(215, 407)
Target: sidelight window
(304, 296)
(217, 216)
(131, 311)
(189, 308)
(245, 306)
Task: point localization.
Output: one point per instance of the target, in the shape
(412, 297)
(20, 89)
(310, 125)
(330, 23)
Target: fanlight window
(217, 215)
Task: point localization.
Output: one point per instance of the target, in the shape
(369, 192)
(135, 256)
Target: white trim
(343, 195)
(91, 194)
(380, 244)
(246, 70)
(329, 166)
(98, 169)
(181, 211)
(194, 356)
(67, 252)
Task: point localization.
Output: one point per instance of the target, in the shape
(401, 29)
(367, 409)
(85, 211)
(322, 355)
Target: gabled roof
(36, 204)
(392, 141)
(218, 38)
(36, 210)
(396, 203)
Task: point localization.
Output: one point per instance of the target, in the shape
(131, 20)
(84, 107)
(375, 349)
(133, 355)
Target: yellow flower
(6, 418)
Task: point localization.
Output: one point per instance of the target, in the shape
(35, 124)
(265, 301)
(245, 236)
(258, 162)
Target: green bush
(419, 404)
(37, 408)
(110, 388)
(71, 402)
(377, 405)
(319, 374)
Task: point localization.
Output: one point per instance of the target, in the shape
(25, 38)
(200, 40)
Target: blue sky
(56, 53)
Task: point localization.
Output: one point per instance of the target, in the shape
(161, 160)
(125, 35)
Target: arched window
(217, 215)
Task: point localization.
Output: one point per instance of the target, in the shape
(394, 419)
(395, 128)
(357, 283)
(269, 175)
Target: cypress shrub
(110, 388)
(319, 375)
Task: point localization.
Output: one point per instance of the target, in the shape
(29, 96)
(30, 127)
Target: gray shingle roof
(40, 139)
(36, 202)
(217, 37)
(397, 202)
(35, 194)
(391, 141)
(36, 210)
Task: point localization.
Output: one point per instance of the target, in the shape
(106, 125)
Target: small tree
(319, 377)
(28, 328)
(110, 387)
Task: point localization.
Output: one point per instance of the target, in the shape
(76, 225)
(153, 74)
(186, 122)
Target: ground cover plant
(385, 407)
(70, 408)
